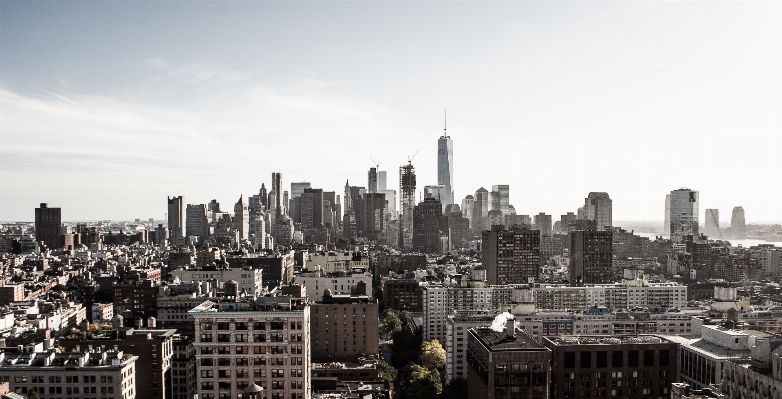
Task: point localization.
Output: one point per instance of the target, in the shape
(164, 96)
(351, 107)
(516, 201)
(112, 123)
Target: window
(632, 358)
(224, 326)
(586, 360)
(570, 360)
(617, 359)
(602, 359)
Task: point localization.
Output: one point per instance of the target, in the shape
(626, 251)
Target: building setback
(597, 367)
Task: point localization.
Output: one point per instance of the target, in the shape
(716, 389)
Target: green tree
(392, 321)
(33, 394)
(421, 382)
(432, 355)
(387, 372)
(406, 347)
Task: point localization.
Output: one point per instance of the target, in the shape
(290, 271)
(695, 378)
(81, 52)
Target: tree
(456, 389)
(387, 372)
(392, 321)
(422, 383)
(406, 347)
(33, 394)
(432, 355)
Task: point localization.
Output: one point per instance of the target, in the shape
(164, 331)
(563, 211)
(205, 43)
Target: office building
(615, 367)
(440, 302)
(437, 192)
(445, 167)
(237, 346)
(456, 336)
(297, 189)
(427, 218)
(275, 195)
(402, 294)
(543, 223)
(468, 210)
(176, 217)
(505, 364)
(738, 226)
(500, 198)
(712, 226)
(683, 215)
(480, 211)
(241, 219)
(667, 219)
(591, 256)
(372, 181)
(48, 226)
(197, 221)
(311, 208)
(511, 256)
(371, 216)
(597, 207)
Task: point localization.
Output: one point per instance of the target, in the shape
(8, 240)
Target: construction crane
(377, 165)
(410, 159)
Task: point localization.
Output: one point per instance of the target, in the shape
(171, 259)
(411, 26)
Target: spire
(445, 123)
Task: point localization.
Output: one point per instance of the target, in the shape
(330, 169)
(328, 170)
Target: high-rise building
(468, 209)
(197, 221)
(426, 226)
(176, 217)
(480, 211)
(591, 255)
(344, 342)
(684, 214)
(372, 180)
(311, 208)
(370, 213)
(275, 196)
(712, 225)
(437, 192)
(264, 196)
(382, 181)
(543, 223)
(407, 183)
(500, 198)
(298, 188)
(597, 207)
(48, 226)
(738, 226)
(511, 256)
(667, 219)
(214, 210)
(242, 218)
(445, 166)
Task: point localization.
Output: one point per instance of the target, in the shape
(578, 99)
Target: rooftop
(500, 341)
(605, 340)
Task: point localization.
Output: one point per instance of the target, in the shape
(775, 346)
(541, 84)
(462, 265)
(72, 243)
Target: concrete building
(106, 374)
(344, 327)
(176, 217)
(427, 219)
(197, 221)
(667, 218)
(511, 256)
(183, 368)
(591, 256)
(440, 301)
(249, 280)
(237, 346)
(500, 198)
(543, 224)
(445, 167)
(48, 226)
(311, 208)
(455, 345)
(597, 207)
(738, 226)
(317, 282)
(506, 364)
(712, 226)
(242, 219)
(402, 294)
(480, 211)
(684, 214)
(468, 210)
(595, 366)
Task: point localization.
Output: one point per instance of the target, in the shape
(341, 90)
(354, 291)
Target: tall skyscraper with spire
(445, 165)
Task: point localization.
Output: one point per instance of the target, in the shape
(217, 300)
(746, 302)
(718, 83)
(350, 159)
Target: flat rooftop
(499, 341)
(605, 340)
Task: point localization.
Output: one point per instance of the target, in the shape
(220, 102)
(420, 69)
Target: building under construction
(407, 204)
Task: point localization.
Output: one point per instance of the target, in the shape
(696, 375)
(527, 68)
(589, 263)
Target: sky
(108, 107)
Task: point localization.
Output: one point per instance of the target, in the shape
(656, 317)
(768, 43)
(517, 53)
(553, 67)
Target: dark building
(138, 297)
(343, 327)
(370, 215)
(311, 208)
(511, 256)
(427, 217)
(458, 227)
(277, 269)
(48, 226)
(183, 367)
(608, 367)
(591, 256)
(383, 264)
(507, 364)
(402, 294)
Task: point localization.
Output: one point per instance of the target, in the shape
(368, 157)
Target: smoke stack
(510, 328)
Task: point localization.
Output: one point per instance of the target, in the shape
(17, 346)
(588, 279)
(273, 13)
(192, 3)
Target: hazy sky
(108, 107)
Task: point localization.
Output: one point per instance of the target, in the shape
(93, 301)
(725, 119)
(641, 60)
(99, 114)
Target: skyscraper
(438, 192)
(511, 256)
(426, 230)
(242, 218)
(298, 188)
(381, 181)
(667, 219)
(480, 210)
(738, 226)
(311, 208)
(176, 217)
(445, 166)
(712, 226)
(501, 198)
(48, 225)
(372, 181)
(468, 207)
(683, 214)
(543, 223)
(407, 182)
(597, 207)
(197, 221)
(275, 196)
(591, 255)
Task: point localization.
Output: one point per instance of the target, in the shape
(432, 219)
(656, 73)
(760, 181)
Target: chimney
(510, 328)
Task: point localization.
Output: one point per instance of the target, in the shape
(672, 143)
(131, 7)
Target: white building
(250, 280)
(316, 283)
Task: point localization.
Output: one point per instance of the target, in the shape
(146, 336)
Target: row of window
(58, 379)
(258, 350)
(241, 325)
(258, 361)
(242, 385)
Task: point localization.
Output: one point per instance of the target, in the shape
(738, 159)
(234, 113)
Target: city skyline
(104, 130)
